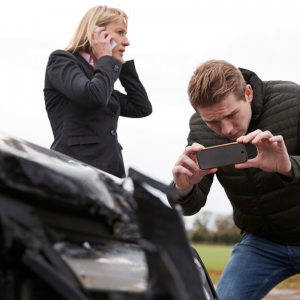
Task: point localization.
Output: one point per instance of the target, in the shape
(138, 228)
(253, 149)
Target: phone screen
(222, 155)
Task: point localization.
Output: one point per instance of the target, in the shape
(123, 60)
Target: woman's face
(118, 30)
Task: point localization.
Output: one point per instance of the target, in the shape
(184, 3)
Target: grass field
(215, 258)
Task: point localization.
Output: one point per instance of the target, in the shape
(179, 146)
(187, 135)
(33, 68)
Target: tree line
(214, 229)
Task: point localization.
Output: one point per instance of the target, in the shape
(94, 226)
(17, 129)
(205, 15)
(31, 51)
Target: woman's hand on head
(100, 43)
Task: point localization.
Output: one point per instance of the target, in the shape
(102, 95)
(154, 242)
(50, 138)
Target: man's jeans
(255, 267)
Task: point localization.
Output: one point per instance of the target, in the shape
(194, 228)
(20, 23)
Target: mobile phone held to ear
(113, 44)
(222, 155)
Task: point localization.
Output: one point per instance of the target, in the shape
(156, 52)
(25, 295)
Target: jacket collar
(258, 87)
(85, 65)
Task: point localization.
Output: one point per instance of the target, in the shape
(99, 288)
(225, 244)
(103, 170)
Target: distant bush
(198, 237)
(226, 238)
(226, 231)
(215, 238)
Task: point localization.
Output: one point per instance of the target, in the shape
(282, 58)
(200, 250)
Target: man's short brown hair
(214, 80)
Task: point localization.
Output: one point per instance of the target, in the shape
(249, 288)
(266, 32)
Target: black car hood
(59, 179)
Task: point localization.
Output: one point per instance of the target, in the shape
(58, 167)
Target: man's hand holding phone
(101, 42)
(187, 172)
(272, 155)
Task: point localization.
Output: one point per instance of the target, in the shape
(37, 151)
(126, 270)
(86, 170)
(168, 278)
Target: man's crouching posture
(235, 105)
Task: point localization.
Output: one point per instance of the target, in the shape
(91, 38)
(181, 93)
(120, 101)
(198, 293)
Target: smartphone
(113, 44)
(222, 155)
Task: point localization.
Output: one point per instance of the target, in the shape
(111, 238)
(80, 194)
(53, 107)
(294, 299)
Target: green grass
(214, 256)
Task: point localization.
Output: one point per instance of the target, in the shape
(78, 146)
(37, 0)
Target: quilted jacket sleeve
(197, 198)
(295, 159)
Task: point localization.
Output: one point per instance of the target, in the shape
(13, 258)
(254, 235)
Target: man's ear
(248, 93)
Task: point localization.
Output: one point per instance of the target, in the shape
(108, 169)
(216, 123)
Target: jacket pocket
(82, 140)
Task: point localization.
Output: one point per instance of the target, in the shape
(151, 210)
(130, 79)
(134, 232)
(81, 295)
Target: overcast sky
(169, 39)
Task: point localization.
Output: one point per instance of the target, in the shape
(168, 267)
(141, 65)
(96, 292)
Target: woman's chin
(117, 56)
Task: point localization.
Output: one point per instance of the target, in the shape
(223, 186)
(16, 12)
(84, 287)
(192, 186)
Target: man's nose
(226, 128)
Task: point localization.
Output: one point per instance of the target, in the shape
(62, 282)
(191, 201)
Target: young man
(235, 105)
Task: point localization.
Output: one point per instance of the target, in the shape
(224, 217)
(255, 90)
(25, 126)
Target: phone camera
(242, 152)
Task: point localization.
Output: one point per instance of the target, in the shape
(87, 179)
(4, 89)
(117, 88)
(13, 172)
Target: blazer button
(113, 132)
(116, 68)
(112, 115)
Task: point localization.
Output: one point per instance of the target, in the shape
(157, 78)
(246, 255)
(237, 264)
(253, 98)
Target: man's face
(231, 117)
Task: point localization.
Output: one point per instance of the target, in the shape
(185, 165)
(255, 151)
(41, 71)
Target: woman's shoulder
(61, 55)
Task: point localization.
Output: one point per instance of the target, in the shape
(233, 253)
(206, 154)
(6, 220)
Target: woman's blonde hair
(100, 16)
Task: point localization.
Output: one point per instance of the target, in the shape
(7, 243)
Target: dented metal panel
(55, 177)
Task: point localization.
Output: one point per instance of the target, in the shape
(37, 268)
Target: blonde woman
(82, 105)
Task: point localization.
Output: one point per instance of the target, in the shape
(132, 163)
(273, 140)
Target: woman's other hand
(101, 43)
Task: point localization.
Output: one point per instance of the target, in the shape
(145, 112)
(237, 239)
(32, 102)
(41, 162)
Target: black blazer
(83, 107)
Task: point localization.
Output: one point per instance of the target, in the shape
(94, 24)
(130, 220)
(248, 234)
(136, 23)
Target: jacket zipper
(258, 202)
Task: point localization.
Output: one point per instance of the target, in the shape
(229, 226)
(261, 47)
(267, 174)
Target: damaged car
(70, 231)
